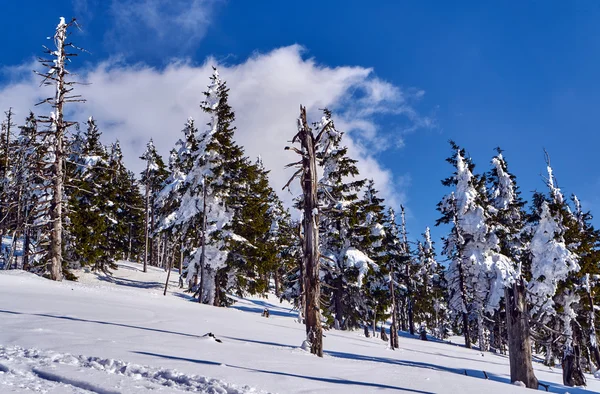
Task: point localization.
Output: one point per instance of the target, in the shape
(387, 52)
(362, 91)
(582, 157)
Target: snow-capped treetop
(555, 192)
(149, 156)
(504, 193)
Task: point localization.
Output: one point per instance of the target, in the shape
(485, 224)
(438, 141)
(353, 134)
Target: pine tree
(152, 178)
(508, 218)
(554, 264)
(91, 206)
(478, 272)
(211, 197)
(429, 287)
(371, 214)
(343, 266)
(588, 251)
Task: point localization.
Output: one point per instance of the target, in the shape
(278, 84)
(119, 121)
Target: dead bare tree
(307, 173)
(57, 127)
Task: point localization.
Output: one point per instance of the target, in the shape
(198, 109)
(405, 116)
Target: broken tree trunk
(519, 342)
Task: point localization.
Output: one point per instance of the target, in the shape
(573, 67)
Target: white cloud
(134, 103)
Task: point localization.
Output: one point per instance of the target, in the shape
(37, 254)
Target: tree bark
(519, 342)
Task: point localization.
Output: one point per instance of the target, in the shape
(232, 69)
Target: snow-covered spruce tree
(152, 178)
(551, 290)
(126, 230)
(253, 261)
(26, 157)
(375, 291)
(429, 292)
(211, 198)
(588, 250)
(91, 209)
(477, 272)
(343, 265)
(283, 240)
(8, 203)
(53, 137)
(407, 273)
(393, 258)
(168, 199)
(508, 217)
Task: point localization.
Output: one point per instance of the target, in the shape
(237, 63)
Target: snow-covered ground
(121, 335)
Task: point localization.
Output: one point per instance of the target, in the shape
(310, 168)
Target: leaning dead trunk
(519, 342)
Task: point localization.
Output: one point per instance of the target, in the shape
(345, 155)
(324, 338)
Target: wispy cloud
(148, 26)
(135, 103)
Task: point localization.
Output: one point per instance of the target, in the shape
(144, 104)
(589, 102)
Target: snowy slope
(121, 335)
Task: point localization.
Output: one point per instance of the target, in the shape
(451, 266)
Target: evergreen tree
(376, 290)
(152, 178)
(91, 205)
(508, 218)
(211, 197)
(478, 271)
(429, 287)
(343, 264)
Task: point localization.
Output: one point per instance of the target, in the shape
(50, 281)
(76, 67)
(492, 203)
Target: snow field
(122, 335)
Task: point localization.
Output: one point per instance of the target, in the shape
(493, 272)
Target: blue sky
(522, 75)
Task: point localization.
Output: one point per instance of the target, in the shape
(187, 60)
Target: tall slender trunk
(55, 266)
(312, 286)
(146, 217)
(519, 341)
(203, 251)
(409, 305)
(181, 257)
(394, 326)
(483, 345)
(129, 243)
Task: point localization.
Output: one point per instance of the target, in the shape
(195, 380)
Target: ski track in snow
(44, 371)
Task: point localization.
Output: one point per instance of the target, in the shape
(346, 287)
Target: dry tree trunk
(310, 240)
(312, 287)
(519, 342)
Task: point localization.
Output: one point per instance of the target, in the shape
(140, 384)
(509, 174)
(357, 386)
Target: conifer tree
(343, 264)
(478, 272)
(91, 206)
(376, 290)
(429, 286)
(152, 178)
(208, 202)
(508, 218)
